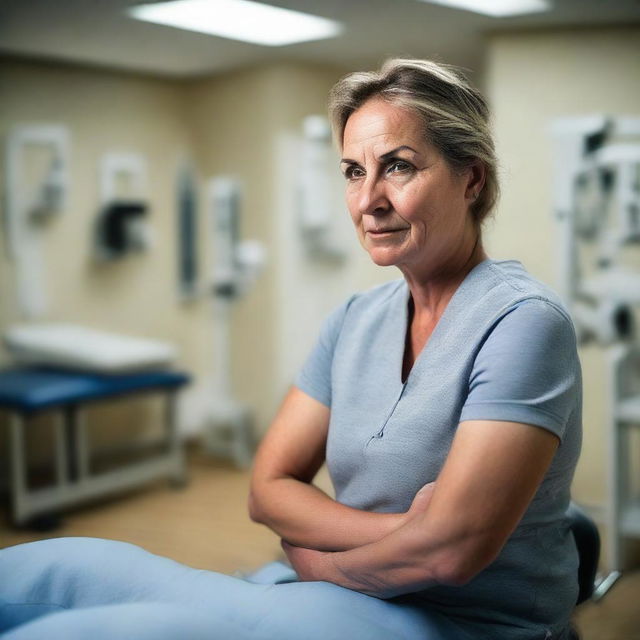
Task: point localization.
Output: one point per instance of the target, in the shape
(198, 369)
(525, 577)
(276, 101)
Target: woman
(448, 404)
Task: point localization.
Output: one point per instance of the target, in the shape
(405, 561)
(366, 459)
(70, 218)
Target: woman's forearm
(307, 517)
(409, 559)
(391, 567)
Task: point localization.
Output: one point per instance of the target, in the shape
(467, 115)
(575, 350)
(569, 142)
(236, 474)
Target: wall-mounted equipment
(187, 232)
(237, 264)
(236, 267)
(37, 186)
(122, 226)
(597, 205)
(317, 191)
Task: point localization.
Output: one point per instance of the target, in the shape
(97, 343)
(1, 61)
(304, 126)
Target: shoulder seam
(550, 303)
(537, 298)
(504, 278)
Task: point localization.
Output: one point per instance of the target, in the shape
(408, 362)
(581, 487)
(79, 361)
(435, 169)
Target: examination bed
(27, 391)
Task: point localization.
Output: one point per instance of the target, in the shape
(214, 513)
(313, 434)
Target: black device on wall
(120, 228)
(187, 228)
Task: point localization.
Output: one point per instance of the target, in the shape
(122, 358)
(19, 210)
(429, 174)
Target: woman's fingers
(422, 499)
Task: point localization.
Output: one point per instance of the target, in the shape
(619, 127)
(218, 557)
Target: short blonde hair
(455, 114)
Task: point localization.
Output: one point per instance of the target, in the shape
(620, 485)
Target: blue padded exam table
(25, 392)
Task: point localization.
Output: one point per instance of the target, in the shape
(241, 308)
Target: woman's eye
(353, 172)
(399, 166)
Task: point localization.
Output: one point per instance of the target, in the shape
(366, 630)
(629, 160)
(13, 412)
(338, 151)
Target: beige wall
(533, 78)
(228, 124)
(239, 118)
(103, 112)
(137, 295)
(229, 118)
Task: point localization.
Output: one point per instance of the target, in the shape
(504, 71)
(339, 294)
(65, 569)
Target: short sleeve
(527, 370)
(315, 376)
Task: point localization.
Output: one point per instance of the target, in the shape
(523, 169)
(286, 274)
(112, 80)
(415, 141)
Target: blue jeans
(92, 589)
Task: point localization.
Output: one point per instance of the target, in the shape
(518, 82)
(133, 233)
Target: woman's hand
(421, 500)
(312, 565)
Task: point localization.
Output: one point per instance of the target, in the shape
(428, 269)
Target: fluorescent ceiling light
(496, 8)
(239, 20)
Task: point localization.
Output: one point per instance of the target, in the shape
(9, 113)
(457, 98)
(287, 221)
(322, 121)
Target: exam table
(29, 390)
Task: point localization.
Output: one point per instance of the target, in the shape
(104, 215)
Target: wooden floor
(206, 525)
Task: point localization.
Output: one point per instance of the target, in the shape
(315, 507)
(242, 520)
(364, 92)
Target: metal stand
(604, 586)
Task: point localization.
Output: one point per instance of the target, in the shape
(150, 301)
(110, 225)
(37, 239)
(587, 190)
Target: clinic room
(319, 320)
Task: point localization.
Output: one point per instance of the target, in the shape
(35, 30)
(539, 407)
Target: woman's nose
(372, 197)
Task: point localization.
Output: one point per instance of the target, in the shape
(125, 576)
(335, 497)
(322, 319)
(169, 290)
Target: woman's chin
(383, 258)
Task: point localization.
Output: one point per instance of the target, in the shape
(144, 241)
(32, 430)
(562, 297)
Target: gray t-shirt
(504, 349)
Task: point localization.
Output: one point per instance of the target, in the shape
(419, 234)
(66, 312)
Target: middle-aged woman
(447, 405)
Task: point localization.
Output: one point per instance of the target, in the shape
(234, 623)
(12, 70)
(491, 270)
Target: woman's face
(408, 206)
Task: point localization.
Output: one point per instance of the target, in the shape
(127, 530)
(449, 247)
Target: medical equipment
(316, 191)
(25, 392)
(78, 365)
(597, 205)
(187, 233)
(122, 226)
(31, 202)
(62, 368)
(229, 429)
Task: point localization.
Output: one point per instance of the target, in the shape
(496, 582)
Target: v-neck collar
(440, 325)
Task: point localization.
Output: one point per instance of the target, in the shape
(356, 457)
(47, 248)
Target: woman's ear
(476, 178)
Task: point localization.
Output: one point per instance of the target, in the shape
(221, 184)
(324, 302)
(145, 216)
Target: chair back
(587, 540)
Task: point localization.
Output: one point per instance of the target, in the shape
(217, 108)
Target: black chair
(587, 540)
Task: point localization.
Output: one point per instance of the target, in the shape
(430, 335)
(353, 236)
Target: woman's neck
(431, 293)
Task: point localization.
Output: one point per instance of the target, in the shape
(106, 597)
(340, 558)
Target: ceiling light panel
(496, 8)
(239, 20)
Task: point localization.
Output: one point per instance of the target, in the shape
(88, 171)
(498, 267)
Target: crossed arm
(452, 531)
(282, 496)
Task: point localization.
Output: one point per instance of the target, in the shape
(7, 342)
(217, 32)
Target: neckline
(437, 330)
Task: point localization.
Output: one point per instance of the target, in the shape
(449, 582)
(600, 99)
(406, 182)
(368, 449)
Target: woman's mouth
(381, 233)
